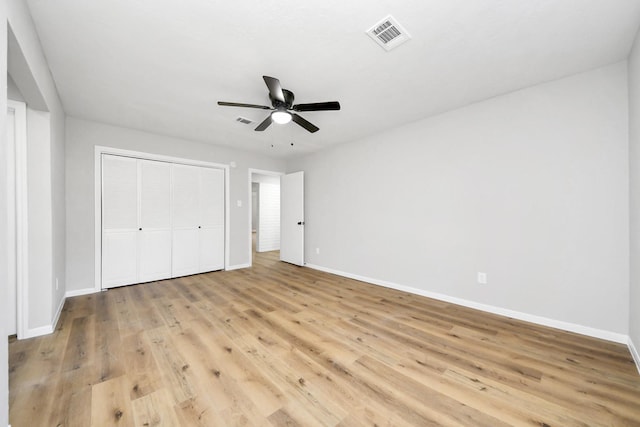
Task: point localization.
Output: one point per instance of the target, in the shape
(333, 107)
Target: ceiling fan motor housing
(288, 100)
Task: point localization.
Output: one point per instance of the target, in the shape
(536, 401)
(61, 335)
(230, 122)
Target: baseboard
(544, 321)
(634, 353)
(37, 332)
(80, 292)
(238, 266)
(58, 312)
(47, 329)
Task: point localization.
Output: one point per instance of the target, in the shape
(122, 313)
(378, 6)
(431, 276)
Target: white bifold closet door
(136, 220)
(119, 221)
(159, 220)
(198, 220)
(154, 231)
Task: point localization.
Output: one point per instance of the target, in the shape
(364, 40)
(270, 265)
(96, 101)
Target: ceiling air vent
(244, 120)
(388, 33)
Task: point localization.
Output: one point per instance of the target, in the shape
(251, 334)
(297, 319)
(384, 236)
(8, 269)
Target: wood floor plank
(73, 396)
(174, 368)
(110, 403)
(296, 385)
(154, 409)
(278, 345)
(143, 372)
(200, 411)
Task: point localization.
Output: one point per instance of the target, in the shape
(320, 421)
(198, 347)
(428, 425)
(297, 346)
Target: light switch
(239, 203)
(482, 278)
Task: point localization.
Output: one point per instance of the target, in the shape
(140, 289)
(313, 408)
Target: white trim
(544, 321)
(54, 324)
(238, 266)
(38, 332)
(97, 214)
(79, 292)
(99, 151)
(250, 202)
(10, 211)
(634, 353)
(21, 223)
(227, 216)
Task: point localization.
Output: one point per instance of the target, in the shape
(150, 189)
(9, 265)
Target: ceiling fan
(282, 108)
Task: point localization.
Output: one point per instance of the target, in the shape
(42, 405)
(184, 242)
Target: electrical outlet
(482, 278)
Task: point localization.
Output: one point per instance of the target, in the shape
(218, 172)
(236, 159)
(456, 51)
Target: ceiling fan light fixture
(281, 117)
(282, 105)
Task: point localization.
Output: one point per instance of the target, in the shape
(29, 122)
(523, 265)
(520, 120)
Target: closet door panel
(185, 252)
(154, 246)
(211, 197)
(155, 195)
(154, 255)
(119, 193)
(119, 259)
(185, 206)
(119, 221)
(211, 249)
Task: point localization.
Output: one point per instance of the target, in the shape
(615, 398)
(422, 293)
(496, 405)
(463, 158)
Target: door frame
(99, 151)
(17, 208)
(250, 203)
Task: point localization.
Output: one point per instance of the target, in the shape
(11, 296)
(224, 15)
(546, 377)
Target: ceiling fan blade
(317, 106)
(265, 124)
(304, 123)
(274, 88)
(237, 104)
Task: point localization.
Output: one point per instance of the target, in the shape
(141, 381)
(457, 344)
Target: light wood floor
(282, 345)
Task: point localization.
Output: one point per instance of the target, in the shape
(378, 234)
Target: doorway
(264, 211)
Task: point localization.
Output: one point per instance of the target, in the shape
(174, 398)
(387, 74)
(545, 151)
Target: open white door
(292, 218)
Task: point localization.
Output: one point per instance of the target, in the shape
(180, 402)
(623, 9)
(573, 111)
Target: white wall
(634, 197)
(268, 179)
(83, 136)
(46, 220)
(12, 90)
(530, 187)
(4, 347)
(39, 218)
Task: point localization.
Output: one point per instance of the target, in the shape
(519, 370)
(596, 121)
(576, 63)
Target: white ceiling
(161, 65)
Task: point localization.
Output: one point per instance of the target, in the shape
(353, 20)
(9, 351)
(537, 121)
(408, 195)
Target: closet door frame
(99, 151)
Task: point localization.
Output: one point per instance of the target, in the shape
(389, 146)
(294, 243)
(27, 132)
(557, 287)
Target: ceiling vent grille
(388, 33)
(244, 120)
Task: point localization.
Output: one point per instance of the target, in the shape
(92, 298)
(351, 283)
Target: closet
(159, 220)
